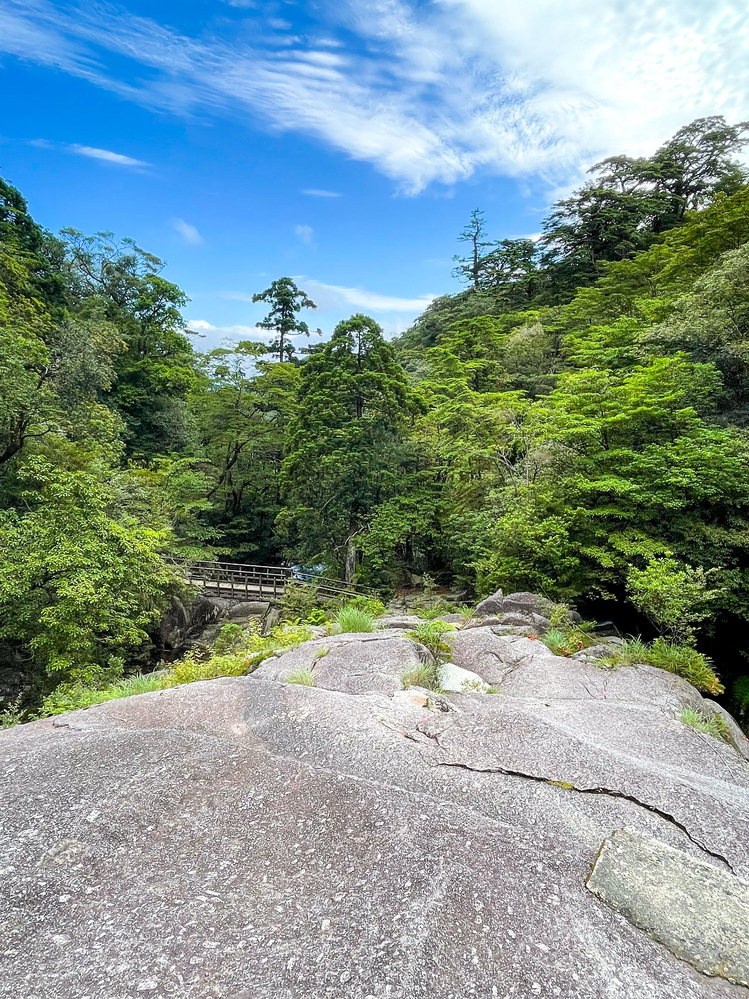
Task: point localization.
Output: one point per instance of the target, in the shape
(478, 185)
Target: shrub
(630, 653)
(714, 725)
(555, 641)
(567, 639)
(354, 619)
(253, 649)
(303, 677)
(12, 714)
(317, 617)
(672, 595)
(300, 600)
(437, 609)
(230, 637)
(196, 667)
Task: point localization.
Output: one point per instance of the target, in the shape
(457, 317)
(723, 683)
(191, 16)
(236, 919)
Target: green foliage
(555, 640)
(714, 725)
(430, 635)
(12, 714)
(80, 584)
(571, 423)
(230, 638)
(425, 675)
(683, 660)
(71, 697)
(371, 605)
(285, 300)
(632, 652)
(354, 619)
(301, 600)
(304, 677)
(687, 663)
(740, 696)
(317, 617)
(673, 596)
(343, 444)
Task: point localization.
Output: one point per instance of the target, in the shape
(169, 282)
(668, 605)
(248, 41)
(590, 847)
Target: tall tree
(470, 268)
(118, 281)
(285, 300)
(342, 444)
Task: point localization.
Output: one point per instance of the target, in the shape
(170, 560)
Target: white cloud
(428, 92)
(305, 233)
(208, 330)
(106, 156)
(188, 232)
(315, 192)
(335, 296)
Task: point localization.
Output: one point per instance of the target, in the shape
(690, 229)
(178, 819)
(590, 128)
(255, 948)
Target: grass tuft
(714, 726)
(303, 677)
(424, 675)
(354, 619)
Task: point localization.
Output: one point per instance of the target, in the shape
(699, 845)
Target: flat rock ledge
(254, 837)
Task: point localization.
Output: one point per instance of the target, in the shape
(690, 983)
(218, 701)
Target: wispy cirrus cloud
(305, 234)
(188, 232)
(106, 156)
(238, 332)
(334, 296)
(424, 92)
(315, 192)
(93, 153)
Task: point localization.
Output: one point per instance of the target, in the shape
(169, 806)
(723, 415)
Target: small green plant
(566, 640)
(320, 653)
(317, 617)
(354, 619)
(430, 585)
(424, 675)
(303, 677)
(12, 714)
(430, 635)
(372, 606)
(740, 696)
(556, 642)
(436, 609)
(714, 725)
(632, 652)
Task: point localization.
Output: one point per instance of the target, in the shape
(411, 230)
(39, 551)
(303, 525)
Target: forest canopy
(573, 422)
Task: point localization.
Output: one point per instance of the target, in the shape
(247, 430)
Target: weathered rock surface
(700, 913)
(249, 837)
(516, 613)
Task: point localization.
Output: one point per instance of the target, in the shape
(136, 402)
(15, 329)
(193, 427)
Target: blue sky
(342, 142)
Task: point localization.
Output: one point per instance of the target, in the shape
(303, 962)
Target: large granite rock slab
(248, 837)
(352, 662)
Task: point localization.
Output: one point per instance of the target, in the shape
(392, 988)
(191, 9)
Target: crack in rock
(566, 785)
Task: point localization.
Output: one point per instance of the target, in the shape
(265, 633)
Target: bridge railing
(234, 580)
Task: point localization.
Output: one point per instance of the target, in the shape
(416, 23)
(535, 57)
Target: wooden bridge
(233, 581)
